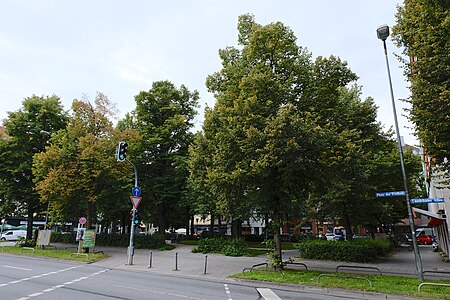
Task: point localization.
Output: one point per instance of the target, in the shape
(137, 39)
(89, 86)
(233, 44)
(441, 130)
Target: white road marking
(17, 268)
(158, 292)
(36, 276)
(227, 291)
(51, 289)
(267, 294)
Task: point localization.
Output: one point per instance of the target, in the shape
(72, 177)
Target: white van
(424, 230)
(13, 235)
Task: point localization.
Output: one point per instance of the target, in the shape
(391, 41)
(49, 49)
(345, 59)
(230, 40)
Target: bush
(361, 251)
(141, 241)
(227, 246)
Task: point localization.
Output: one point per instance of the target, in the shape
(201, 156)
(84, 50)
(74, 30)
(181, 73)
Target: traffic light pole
(130, 253)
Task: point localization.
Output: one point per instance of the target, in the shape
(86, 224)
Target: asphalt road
(40, 278)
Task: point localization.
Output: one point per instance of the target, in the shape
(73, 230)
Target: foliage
(24, 140)
(423, 29)
(141, 241)
(163, 117)
(23, 242)
(227, 246)
(362, 251)
(381, 284)
(78, 175)
(287, 135)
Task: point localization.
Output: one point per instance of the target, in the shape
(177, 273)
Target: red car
(425, 239)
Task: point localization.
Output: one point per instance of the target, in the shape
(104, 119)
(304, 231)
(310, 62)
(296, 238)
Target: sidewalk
(181, 261)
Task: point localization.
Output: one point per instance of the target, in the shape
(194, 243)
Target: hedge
(141, 241)
(361, 251)
(227, 246)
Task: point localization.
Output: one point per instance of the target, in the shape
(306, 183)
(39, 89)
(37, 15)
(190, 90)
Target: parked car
(360, 236)
(425, 239)
(330, 236)
(13, 235)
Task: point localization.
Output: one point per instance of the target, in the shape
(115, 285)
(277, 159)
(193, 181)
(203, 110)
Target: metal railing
(357, 267)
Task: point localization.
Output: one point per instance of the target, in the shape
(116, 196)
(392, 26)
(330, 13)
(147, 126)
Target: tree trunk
(211, 226)
(219, 223)
(30, 219)
(192, 225)
(161, 223)
(277, 258)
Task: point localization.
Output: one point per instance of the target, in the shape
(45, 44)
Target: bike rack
(254, 266)
(342, 276)
(431, 283)
(262, 264)
(26, 248)
(436, 272)
(290, 262)
(358, 267)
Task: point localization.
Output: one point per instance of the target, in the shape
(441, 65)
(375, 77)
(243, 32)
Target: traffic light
(137, 218)
(121, 154)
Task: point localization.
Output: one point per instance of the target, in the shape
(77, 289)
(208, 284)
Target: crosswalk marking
(267, 294)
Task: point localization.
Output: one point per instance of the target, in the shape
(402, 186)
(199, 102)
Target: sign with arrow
(135, 200)
(136, 191)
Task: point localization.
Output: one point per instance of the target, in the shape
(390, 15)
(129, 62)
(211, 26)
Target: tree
(264, 138)
(78, 175)
(23, 128)
(163, 117)
(423, 29)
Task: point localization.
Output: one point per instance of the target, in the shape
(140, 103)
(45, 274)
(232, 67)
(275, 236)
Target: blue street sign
(136, 191)
(426, 200)
(391, 194)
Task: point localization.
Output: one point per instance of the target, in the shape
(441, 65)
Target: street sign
(426, 200)
(82, 220)
(390, 194)
(136, 191)
(135, 201)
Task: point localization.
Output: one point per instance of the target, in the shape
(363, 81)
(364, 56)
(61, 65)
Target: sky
(74, 49)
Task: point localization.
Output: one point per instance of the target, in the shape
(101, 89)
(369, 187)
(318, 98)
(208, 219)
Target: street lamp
(383, 33)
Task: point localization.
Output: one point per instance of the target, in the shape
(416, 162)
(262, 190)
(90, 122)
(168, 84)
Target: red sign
(135, 201)
(82, 220)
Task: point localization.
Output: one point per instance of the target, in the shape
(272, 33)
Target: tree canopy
(423, 29)
(25, 139)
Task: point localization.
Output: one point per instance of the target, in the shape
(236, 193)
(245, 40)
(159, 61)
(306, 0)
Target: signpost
(426, 200)
(390, 194)
(135, 201)
(136, 191)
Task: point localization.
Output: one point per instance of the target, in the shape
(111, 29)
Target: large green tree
(163, 117)
(24, 128)
(264, 136)
(78, 175)
(423, 29)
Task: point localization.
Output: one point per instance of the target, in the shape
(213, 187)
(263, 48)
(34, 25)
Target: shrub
(361, 251)
(141, 241)
(227, 246)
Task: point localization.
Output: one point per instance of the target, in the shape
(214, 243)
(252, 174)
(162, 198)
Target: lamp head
(383, 32)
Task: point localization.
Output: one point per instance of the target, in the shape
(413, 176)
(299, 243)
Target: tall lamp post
(383, 33)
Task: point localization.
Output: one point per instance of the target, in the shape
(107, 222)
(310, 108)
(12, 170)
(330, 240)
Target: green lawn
(381, 284)
(54, 253)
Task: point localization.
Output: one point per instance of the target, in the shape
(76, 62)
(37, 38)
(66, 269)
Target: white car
(13, 235)
(330, 236)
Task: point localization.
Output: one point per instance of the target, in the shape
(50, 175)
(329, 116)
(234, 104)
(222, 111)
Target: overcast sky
(75, 48)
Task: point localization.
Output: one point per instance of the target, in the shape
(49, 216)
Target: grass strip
(381, 284)
(54, 253)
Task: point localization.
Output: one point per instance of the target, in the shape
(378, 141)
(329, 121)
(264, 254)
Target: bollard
(176, 261)
(150, 259)
(206, 263)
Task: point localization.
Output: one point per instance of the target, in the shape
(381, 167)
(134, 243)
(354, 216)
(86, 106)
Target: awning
(436, 219)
